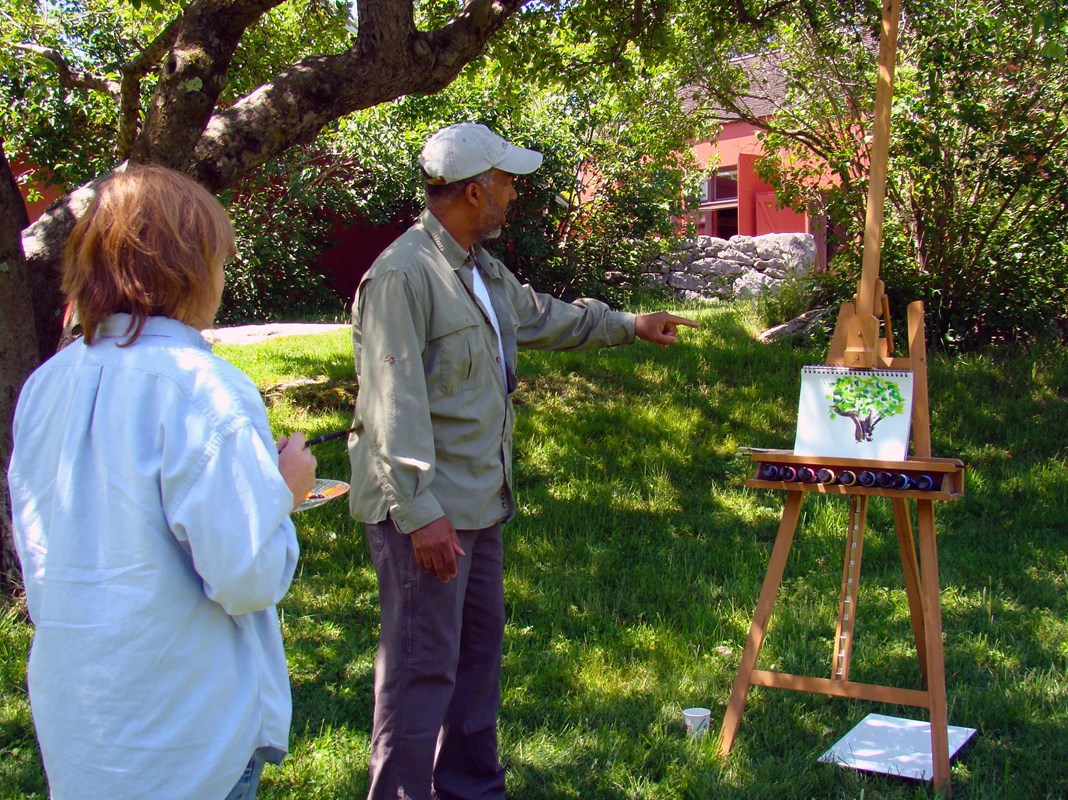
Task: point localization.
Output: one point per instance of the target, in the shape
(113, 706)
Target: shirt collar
(117, 326)
(487, 264)
(453, 251)
(449, 247)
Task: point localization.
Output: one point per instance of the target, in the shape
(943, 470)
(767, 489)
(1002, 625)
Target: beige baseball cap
(467, 149)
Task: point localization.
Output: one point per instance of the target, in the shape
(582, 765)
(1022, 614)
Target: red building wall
(356, 246)
(758, 213)
(34, 180)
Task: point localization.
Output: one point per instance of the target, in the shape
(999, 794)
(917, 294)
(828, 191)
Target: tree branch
(760, 19)
(374, 16)
(192, 78)
(390, 58)
(130, 87)
(72, 79)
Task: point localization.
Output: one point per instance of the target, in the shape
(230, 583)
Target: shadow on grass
(611, 570)
(20, 762)
(635, 561)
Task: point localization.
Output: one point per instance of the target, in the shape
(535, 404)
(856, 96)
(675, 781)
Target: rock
(684, 257)
(717, 267)
(751, 284)
(764, 264)
(741, 267)
(795, 327)
(732, 253)
(687, 282)
(797, 251)
(711, 245)
(744, 244)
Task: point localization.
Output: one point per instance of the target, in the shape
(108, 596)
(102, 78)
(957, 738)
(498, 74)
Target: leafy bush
(977, 180)
(285, 215)
(601, 205)
(795, 296)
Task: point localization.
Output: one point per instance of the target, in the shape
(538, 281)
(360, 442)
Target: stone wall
(708, 268)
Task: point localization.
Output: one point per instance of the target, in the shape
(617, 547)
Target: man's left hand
(660, 328)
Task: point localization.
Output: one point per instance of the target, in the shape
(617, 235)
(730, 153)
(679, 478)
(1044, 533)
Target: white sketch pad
(892, 746)
(882, 405)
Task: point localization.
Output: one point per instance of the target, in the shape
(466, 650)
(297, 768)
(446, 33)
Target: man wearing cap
(437, 322)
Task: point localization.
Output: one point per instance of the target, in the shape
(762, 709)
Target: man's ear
(472, 193)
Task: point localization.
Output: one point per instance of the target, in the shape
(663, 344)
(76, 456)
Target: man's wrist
(627, 321)
(416, 513)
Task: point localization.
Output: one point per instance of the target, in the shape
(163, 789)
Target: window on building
(724, 222)
(724, 185)
(719, 204)
(721, 186)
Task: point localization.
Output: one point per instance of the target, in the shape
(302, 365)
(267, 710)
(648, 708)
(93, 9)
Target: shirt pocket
(451, 351)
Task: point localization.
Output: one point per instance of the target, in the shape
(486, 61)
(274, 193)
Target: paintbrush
(326, 437)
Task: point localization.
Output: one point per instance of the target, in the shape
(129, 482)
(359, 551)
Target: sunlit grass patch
(634, 564)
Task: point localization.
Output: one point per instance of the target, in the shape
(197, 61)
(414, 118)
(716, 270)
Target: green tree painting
(865, 399)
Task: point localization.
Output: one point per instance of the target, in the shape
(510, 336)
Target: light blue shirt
(153, 528)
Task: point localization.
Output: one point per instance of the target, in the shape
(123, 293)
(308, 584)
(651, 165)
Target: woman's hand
(297, 465)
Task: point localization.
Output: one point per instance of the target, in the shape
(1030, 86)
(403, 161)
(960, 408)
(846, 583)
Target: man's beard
(490, 220)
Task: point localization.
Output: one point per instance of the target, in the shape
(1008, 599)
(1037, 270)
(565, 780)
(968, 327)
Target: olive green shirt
(434, 415)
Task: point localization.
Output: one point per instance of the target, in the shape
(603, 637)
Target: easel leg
(847, 600)
(911, 569)
(772, 579)
(936, 669)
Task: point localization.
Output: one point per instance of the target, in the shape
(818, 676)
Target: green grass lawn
(635, 562)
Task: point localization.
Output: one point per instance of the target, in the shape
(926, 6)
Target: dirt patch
(247, 334)
(314, 394)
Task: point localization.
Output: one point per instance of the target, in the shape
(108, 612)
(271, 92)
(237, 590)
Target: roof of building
(765, 90)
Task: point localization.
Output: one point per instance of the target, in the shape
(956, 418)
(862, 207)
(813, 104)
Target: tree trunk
(42, 249)
(185, 130)
(18, 350)
(852, 416)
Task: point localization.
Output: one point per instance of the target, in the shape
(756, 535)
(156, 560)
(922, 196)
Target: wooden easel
(857, 343)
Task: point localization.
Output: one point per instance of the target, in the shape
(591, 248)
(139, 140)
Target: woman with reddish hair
(151, 511)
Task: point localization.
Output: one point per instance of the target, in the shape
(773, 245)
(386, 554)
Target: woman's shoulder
(212, 381)
(182, 362)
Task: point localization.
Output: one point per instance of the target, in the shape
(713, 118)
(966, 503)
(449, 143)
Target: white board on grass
(892, 746)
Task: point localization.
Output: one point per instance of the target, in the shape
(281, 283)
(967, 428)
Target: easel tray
(920, 477)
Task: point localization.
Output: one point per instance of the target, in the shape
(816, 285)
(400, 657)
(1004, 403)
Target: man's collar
(453, 251)
(449, 247)
(486, 262)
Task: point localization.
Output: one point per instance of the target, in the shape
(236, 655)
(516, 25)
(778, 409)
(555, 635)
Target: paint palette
(323, 491)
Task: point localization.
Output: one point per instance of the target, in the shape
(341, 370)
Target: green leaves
(865, 396)
(626, 143)
(285, 216)
(979, 145)
(867, 400)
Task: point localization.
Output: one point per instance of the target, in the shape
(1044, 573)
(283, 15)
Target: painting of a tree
(865, 399)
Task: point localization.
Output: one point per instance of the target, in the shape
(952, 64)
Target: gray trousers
(437, 675)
